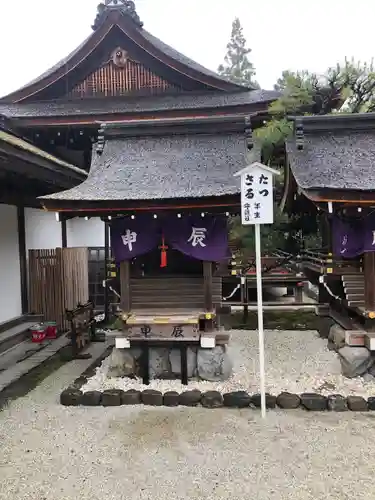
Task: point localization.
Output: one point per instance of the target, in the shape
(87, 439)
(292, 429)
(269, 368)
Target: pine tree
(237, 66)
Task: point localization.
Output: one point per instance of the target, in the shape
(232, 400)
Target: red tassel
(163, 256)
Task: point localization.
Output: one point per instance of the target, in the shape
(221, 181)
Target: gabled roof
(208, 100)
(47, 166)
(116, 17)
(333, 154)
(153, 165)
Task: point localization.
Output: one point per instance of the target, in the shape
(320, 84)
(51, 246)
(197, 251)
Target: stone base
(213, 365)
(356, 360)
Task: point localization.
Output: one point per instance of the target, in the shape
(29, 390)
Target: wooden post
(369, 272)
(298, 294)
(64, 237)
(326, 231)
(208, 298)
(106, 262)
(125, 286)
(208, 294)
(23, 260)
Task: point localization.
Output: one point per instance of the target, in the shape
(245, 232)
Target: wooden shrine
(161, 137)
(331, 176)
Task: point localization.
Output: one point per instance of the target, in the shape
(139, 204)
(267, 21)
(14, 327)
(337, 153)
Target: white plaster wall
(10, 302)
(85, 233)
(42, 229)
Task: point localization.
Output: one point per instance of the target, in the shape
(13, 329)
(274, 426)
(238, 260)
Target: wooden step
(353, 278)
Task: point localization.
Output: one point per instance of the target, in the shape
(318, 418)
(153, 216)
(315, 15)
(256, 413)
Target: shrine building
(157, 139)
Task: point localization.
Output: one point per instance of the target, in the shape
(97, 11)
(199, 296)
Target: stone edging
(213, 399)
(73, 396)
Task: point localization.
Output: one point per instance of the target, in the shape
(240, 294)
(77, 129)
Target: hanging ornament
(163, 255)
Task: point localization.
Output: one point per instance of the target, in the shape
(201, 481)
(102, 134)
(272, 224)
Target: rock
(331, 345)
(80, 382)
(324, 326)
(368, 378)
(131, 397)
(212, 399)
(288, 401)
(371, 370)
(91, 398)
(190, 398)
(112, 397)
(171, 398)
(151, 397)
(159, 363)
(337, 336)
(356, 403)
(313, 402)
(71, 397)
(214, 364)
(355, 361)
(121, 363)
(175, 361)
(336, 402)
(238, 399)
(371, 403)
(270, 400)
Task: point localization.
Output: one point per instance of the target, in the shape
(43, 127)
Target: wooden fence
(58, 280)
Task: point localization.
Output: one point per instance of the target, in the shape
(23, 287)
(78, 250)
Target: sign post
(257, 209)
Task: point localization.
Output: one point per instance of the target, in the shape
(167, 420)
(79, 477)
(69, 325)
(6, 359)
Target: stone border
(73, 396)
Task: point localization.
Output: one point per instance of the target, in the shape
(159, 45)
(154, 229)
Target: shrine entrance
(175, 264)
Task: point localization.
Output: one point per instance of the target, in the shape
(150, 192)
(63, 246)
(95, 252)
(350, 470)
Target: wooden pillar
(369, 272)
(326, 231)
(23, 259)
(64, 237)
(125, 286)
(208, 298)
(106, 264)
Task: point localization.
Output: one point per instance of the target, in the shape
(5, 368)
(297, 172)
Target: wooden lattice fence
(58, 280)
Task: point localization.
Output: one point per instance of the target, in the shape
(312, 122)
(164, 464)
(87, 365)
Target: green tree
(345, 88)
(237, 66)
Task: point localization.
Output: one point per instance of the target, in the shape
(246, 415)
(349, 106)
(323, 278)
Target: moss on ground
(274, 320)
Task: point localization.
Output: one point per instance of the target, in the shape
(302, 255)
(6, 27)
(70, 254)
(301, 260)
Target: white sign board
(257, 194)
(256, 209)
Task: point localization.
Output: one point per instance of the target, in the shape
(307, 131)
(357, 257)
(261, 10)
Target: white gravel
(296, 361)
(137, 453)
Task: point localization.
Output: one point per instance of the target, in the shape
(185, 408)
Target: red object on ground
(51, 330)
(38, 334)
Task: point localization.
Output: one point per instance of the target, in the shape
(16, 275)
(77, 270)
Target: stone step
(16, 334)
(19, 368)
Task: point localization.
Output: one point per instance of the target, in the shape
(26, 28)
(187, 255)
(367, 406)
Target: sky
(283, 34)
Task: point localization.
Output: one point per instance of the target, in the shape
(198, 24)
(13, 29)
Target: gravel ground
(296, 361)
(48, 451)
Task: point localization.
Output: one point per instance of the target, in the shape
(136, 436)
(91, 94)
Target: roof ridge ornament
(124, 6)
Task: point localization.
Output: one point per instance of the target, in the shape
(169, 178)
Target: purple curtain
(133, 237)
(369, 234)
(203, 238)
(347, 238)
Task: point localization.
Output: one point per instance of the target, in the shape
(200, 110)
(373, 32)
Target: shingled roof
(133, 104)
(130, 30)
(161, 168)
(335, 152)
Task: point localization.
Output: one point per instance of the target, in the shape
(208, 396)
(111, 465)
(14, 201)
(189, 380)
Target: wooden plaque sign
(172, 332)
